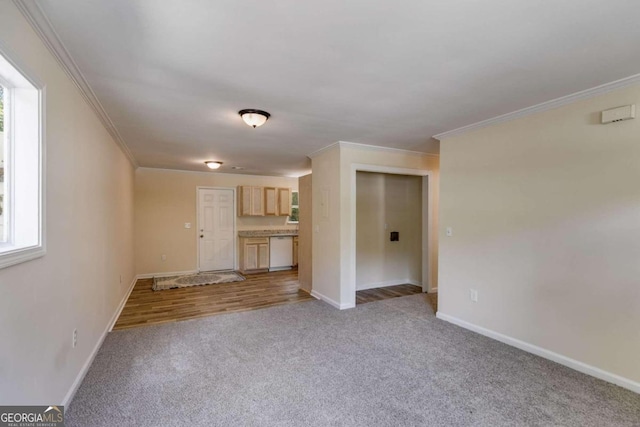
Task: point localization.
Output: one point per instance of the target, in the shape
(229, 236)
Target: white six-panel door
(216, 229)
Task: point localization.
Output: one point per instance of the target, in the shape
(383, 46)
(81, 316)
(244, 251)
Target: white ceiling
(172, 74)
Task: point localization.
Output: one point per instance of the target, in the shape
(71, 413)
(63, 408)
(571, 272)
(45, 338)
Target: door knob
(201, 236)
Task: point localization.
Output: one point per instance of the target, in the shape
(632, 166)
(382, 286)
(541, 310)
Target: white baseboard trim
(336, 304)
(392, 282)
(87, 364)
(166, 274)
(547, 354)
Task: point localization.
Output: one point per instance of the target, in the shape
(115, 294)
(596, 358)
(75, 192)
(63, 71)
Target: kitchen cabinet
(277, 201)
(254, 254)
(295, 251)
(270, 201)
(250, 201)
(284, 201)
(263, 201)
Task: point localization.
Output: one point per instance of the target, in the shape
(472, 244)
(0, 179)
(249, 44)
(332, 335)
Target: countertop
(267, 233)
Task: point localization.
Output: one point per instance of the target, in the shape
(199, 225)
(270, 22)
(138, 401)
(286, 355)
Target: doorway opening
(424, 202)
(388, 235)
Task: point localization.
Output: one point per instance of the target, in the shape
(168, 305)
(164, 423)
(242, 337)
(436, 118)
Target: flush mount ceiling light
(254, 118)
(213, 164)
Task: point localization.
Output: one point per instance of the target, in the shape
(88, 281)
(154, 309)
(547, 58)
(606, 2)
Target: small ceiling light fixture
(213, 164)
(254, 118)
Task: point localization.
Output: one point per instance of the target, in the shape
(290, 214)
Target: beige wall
(334, 264)
(165, 200)
(394, 201)
(305, 233)
(89, 236)
(545, 212)
(326, 223)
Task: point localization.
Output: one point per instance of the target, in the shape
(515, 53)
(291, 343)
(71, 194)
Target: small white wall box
(619, 114)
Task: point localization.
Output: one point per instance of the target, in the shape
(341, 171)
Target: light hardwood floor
(377, 294)
(146, 307)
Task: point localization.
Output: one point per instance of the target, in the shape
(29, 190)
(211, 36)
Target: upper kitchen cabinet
(270, 201)
(284, 201)
(264, 201)
(277, 201)
(250, 201)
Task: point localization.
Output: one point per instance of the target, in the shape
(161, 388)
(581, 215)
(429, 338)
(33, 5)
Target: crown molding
(44, 29)
(368, 147)
(226, 174)
(323, 150)
(548, 105)
(359, 146)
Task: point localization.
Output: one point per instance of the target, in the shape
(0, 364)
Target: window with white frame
(21, 159)
(295, 208)
(3, 216)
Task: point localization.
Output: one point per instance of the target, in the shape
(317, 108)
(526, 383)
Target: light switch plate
(187, 225)
(449, 231)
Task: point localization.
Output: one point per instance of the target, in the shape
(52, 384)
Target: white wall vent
(619, 114)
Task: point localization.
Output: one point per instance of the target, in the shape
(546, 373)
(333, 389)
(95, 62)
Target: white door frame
(428, 204)
(235, 217)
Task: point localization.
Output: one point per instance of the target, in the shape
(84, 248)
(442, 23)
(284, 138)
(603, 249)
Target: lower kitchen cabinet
(254, 254)
(295, 251)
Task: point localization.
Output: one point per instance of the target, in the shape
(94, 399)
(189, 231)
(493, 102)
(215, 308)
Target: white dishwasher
(280, 253)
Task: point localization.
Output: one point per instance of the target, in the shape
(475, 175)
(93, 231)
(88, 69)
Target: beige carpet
(384, 363)
(200, 279)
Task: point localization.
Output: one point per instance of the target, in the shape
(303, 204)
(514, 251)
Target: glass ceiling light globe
(254, 118)
(213, 165)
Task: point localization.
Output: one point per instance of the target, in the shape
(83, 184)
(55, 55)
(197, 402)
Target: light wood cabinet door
(257, 201)
(250, 257)
(270, 201)
(263, 255)
(295, 251)
(244, 201)
(284, 201)
(250, 201)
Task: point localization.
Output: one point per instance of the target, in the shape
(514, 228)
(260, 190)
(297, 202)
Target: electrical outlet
(163, 257)
(187, 225)
(473, 295)
(74, 341)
